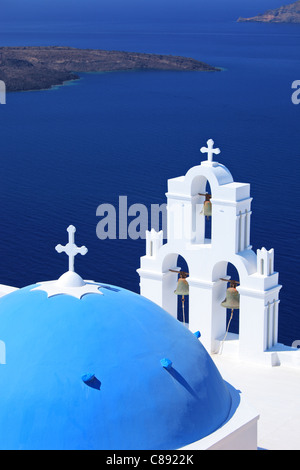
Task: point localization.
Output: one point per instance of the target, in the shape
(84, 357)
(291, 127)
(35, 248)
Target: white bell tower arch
(208, 258)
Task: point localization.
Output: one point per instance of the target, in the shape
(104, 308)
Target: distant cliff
(286, 14)
(36, 68)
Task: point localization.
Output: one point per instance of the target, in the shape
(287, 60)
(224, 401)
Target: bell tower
(208, 259)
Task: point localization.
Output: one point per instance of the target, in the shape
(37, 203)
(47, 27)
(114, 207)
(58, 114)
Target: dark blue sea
(67, 150)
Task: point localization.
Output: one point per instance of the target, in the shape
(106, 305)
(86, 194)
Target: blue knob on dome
(197, 334)
(166, 363)
(88, 378)
(91, 381)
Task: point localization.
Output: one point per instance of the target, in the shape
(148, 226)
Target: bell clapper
(183, 314)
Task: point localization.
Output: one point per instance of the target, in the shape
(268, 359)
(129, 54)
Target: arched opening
(226, 312)
(234, 325)
(207, 218)
(202, 217)
(183, 301)
(173, 300)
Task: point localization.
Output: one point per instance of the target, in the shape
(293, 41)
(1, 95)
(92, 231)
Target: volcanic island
(286, 14)
(39, 68)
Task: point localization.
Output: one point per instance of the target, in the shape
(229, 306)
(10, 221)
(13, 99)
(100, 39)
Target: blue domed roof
(89, 373)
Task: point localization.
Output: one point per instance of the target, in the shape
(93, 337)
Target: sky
(131, 10)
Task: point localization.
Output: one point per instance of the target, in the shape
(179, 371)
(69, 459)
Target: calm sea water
(67, 150)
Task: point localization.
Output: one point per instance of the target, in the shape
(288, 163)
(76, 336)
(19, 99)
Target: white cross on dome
(71, 249)
(70, 283)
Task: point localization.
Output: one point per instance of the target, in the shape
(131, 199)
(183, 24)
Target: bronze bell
(207, 207)
(182, 287)
(232, 300)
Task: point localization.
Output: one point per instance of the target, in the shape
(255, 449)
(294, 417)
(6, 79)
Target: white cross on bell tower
(71, 249)
(211, 151)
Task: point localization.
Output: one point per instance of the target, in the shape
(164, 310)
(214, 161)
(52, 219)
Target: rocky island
(36, 68)
(286, 14)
